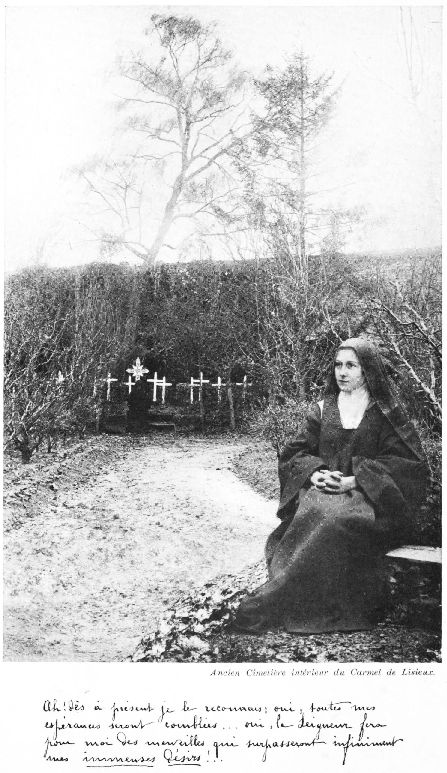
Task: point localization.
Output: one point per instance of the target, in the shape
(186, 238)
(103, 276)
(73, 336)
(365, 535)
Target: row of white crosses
(137, 371)
(220, 385)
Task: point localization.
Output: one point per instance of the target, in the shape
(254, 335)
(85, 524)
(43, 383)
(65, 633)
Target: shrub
(279, 423)
(428, 525)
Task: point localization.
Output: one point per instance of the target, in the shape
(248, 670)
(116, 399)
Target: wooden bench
(418, 553)
(414, 584)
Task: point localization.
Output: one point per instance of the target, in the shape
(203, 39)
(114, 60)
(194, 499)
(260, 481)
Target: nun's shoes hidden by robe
(342, 627)
(257, 623)
(254, 620)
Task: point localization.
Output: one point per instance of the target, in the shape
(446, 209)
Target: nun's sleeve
(395, 480)
(298, 461)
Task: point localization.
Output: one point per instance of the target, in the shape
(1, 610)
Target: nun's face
(348, 373)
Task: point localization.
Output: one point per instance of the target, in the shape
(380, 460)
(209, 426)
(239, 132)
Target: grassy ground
(198, 628)
(258, 465)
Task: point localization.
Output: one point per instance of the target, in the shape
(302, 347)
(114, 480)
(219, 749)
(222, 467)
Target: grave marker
(197, 382)
(219, 386)
(163, 389)
(244, 384)
(137, 370)
(129, 383)
(108, 381)
(159, 382)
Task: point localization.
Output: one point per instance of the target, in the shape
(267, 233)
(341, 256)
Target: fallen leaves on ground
(198, 628)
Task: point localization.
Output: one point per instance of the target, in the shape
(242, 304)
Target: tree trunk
(300, 378)
(26, 453)
(201, 411)
(97, 419)
(166, 222)
(303, 246)
(231, 406)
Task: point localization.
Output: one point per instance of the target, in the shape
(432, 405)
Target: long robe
(324, 559)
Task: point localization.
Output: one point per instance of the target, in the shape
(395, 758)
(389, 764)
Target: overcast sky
(384, 142)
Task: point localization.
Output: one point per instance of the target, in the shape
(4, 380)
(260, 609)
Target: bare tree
(407, 317)
(185, 114)
(279, 162)
(302, 315)
(414, 60)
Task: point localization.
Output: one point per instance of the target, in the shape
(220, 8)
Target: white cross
(129, 383)
(108, 381)
(163, 389)
(197, 382)
(155, 382)
(137, 370)
(159, 382)
(59, 378)
(219, 386)
(244, 386)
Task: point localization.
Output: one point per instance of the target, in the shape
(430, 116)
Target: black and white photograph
(222, 335)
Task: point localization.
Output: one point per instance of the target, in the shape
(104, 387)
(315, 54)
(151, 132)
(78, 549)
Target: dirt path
(127, 527)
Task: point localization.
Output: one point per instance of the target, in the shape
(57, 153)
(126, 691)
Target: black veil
(380, 389)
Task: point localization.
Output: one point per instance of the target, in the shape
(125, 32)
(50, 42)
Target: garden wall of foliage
(267, 319)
